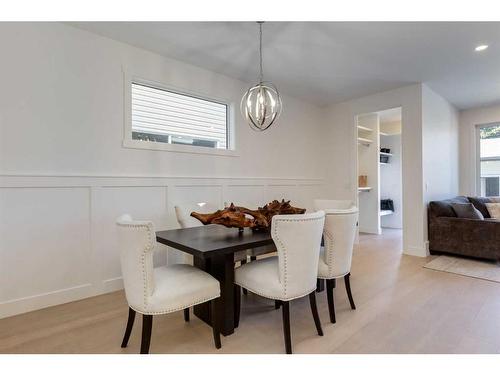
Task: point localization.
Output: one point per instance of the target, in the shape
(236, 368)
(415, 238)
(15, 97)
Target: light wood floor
(401, 308)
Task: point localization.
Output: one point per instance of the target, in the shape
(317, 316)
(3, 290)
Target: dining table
(213, 247)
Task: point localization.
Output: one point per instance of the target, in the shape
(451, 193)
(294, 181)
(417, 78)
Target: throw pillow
(467, 211)
(479, 203)
(494, 210)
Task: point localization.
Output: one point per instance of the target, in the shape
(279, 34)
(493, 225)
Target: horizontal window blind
(177, 118)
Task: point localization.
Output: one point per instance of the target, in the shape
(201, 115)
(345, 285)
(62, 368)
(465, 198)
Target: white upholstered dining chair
(183, 213)
(336, 254)
(185, 220)
(290, 275)
(161, 290)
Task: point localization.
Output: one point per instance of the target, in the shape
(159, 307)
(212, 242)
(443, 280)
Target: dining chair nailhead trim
(285, 275)
(329, 249)
(282, 247)
(147, 249)
(255, 291)
(177, 308)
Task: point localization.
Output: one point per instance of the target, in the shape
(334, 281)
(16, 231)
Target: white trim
(477, 154)
(112, 285)
(417, 251)
(477, 161)
(159, 146)
(134, 176)
(128, 142)
(43, 300)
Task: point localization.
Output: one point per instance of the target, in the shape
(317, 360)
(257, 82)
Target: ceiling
(330, 62)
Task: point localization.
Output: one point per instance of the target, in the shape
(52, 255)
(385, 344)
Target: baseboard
(416, 251)
(367, 231)
(41, 301)
(112, 285)
(58, 297)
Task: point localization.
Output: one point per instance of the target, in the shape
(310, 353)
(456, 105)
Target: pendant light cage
(261, 105)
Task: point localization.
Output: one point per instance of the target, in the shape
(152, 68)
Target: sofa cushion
(443, 208)
(467, 211)
(494, 210)
(479, 203)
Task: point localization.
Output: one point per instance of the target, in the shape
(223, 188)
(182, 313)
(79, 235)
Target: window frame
(478, 153)
(129, 142)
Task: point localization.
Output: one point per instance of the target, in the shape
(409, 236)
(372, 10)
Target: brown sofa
(467, 237)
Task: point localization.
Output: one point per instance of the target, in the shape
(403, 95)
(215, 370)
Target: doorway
(380, 171)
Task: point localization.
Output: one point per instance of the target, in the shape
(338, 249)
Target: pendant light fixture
(261, 105)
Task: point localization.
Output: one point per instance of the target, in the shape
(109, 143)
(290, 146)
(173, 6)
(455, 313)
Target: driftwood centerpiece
(242, 217)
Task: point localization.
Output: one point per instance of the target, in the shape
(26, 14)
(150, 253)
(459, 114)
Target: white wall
(440, 135)
(62, 101)
(343, 155)
(468, 121)
(440, 152)
(65, 177)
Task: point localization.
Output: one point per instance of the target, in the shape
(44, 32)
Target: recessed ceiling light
(482, 47)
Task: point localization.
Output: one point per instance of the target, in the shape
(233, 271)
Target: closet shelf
(364, 141)
(364, 128)
(367, 188)
(384, 153)
(381, 163)
(386, 212)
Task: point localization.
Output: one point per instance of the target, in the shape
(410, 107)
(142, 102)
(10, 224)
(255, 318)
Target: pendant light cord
(261, 76)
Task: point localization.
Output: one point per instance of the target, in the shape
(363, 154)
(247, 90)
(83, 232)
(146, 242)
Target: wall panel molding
(90, 210)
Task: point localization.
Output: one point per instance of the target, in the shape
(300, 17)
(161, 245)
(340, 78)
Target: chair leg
(348, 289)
(215, 322)
(314, 310)
(186, 315)
(237, 305)
(330, 284)
(320, 285)
(147, 325)
(128, 330)
(277, 304)
(286, 326)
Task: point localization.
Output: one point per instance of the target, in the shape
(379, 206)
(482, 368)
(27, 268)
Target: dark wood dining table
(213, 248)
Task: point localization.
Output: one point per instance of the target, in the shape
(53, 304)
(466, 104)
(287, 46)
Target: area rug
(479, 269)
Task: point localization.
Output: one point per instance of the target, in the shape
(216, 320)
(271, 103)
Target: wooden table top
(209, 240)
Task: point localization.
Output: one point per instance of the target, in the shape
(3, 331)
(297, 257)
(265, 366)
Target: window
(491, 186)
(162, 116)
(489, 160)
